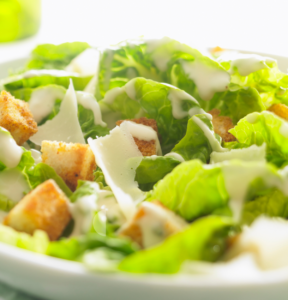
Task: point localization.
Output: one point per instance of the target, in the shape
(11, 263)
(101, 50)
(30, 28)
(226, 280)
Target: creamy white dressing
(238, 177)
(88, 101)
(207, 79)
(42, 101)
(267, 240)
(130, 90)
(176, 97)
(252, 153)
(144, 133)
(215, 145)
(13, 184)
(64, 127)
(252, 118)
(112, 154)
(56, 73)
(86, 63)
(10, 152)
(245, 63)
(82, 212)
(36, 155)
(242, 267)
(111, 95)
(283, 130)
(108, 203)
(175, 156)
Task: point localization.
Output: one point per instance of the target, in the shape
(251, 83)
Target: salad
(146, 157)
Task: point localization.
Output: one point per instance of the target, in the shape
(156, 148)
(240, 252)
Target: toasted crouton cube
(152, 223)
(147, 148)
(281, 110)
(222, 125)
(72, 162)
(45, 208)
(16, 117)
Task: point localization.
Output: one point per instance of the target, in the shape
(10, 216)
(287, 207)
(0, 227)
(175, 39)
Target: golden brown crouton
(147, 148)
(281, 110)
(16, 117)
(152, 223)
(72, 162)
(222, 125)
(45, 208)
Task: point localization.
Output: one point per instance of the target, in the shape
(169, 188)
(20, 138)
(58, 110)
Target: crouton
(281, 110)
(45, 208)
(16, 117)
(72, 162)
(147, 148)
(222, 125)
(152, 223)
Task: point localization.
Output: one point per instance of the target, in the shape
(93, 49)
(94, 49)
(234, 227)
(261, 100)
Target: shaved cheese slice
(64, 127)
(112, 154)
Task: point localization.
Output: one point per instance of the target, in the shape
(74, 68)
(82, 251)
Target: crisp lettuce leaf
(164, 60)
(265, 127)
(168, 106)
(49, 56)
(270, 202)
(42, 172)
(74, 248)
(200, 140)
(152, 169)
(192, 190)
(37, 78)
(203, 240)
(37, 243)
(239, 102)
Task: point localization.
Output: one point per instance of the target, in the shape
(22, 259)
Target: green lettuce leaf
(199, 142)
(168, 106)
(49, 56)
(34, 79)
(192, 190)
(152, 169)
(74, 248)
(270, 202)
(203, 240)
(265, 127)
(41, 172)
(37, 243)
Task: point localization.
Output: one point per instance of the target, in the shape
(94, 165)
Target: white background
(248, 24)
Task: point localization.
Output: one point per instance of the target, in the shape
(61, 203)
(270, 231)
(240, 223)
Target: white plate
(52, 278)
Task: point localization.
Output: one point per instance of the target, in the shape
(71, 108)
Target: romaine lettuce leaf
(49, 56)
(152, 169)
(38, 78)
(167, 105)
(37, 243)
(74, 248)
(200, 140)
(265, 127)
(203, 240)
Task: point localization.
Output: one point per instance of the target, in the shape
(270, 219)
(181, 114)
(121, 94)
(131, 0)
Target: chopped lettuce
(265, 127)
(204, 240)
(167, 105)
(49, 56)
(37, 243)
(36, 78)
(74, 248)
(153, 168)
(200, 140)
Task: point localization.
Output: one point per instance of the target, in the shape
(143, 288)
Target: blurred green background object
(19, 19)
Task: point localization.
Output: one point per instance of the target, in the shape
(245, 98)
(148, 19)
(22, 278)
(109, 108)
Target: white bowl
(53, 278)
